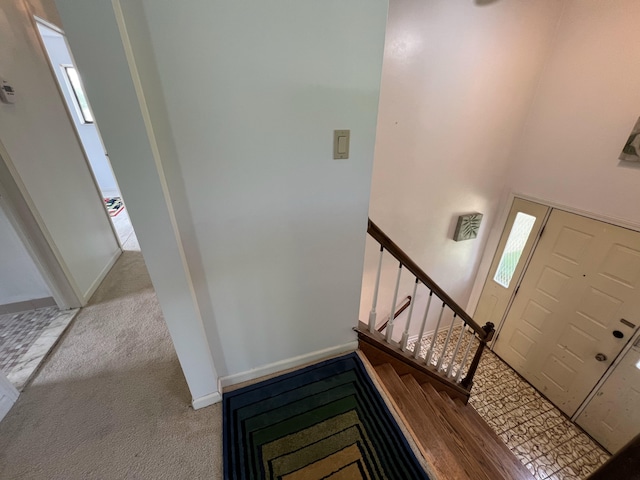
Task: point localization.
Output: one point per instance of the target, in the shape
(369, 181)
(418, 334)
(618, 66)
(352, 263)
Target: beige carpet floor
(110, 401)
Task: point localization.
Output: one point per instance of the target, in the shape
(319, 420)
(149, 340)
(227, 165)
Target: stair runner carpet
(325, 421)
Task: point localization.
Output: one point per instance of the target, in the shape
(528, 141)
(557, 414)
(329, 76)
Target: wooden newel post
(467, 383)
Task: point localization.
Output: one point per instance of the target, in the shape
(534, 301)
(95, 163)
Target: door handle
(601, 357)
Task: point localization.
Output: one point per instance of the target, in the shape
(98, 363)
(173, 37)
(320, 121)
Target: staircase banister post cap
(489, 328)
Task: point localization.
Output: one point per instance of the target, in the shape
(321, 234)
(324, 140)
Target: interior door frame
(494, 241)
(35, 20)
(516, 280)
(35, 237)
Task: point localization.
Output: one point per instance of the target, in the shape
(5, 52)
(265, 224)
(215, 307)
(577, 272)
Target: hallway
(111, 400)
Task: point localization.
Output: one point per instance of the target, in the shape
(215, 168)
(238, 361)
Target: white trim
(414, 338)
(210, 399)
(25, 305)
(287, 364)
(35, 20)
(153, 144)
(44, 22)
(620, 222)
(101, 276)
(26, 220)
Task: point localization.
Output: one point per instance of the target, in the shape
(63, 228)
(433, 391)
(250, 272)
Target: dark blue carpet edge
(387, 418)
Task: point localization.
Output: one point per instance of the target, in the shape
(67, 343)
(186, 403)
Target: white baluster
(466, 355)
(393, 305)
(427, 358)
(446, 344)
(372, 313)
(418, 346)
(455, 352)
(405, 334)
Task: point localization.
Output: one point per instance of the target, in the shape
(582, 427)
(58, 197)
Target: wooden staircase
(454, 440)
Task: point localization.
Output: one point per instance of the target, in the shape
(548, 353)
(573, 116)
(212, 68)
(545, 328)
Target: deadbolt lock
(601, 357)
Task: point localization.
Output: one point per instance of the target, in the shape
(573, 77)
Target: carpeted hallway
(111, 401)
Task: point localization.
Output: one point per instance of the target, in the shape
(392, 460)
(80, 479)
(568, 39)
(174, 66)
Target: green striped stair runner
(325, 421)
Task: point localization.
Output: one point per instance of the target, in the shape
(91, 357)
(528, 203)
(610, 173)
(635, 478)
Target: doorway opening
(79, 109)
(33, 315)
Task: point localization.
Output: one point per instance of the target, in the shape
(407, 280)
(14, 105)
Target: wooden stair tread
(460, 438)
(508, 466)
(502, 449)
(452, 437)
(435, 451)
(475, 417)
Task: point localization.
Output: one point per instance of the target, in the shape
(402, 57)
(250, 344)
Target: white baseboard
(25, 305)
(96, 283)
(287, 364)
(414, 338)
(205, 401)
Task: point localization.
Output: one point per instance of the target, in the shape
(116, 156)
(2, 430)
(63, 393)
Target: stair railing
(448, 358)
(405, 304)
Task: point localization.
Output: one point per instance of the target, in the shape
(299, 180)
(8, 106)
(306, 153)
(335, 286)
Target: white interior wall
(280, 224)
(20, 279)
(59, 55)
(146, 66)
(100, 43)
(587, 103)
(253, 93)
(458, 79)
(585, 107)
(46, 156)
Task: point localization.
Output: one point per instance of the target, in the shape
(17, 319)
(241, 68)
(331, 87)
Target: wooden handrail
(484, 334)
(405, 305)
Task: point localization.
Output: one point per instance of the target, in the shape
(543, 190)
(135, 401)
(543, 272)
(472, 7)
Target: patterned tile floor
(541, 436)
(26, 338)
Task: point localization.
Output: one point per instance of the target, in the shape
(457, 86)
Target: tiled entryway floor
(534, 430)
(27, 337)
(541, 436)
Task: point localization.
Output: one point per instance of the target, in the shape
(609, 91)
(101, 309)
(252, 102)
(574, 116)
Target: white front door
(577, 307)
(612, 416)
(8, 395)
(518, 238)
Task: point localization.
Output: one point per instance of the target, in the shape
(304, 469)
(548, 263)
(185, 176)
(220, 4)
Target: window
(81, 100)
(520, 232)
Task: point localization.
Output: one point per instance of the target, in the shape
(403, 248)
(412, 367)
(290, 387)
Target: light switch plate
(341, 144)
